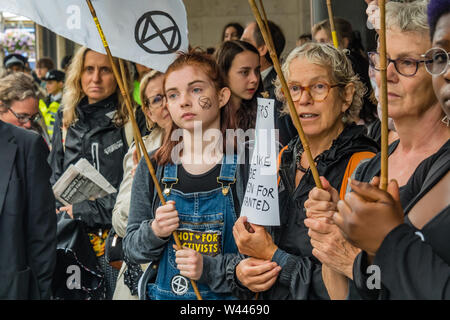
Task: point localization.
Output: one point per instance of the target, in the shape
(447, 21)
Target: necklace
(298, 162)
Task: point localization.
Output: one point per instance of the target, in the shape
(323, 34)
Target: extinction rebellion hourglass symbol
(179, 284)
(156, 30)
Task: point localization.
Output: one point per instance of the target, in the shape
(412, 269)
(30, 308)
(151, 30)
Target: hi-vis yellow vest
(49, 114)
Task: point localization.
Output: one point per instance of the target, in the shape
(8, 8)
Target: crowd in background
(329, 240)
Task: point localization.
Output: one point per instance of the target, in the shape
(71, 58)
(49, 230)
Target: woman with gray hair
(417, 116)
(327, 96)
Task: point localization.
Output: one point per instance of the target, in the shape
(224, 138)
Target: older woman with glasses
(158, 122)
(423, 136)
(410, 246)
(327, 96)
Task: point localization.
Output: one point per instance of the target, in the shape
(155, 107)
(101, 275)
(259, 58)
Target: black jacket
(96, 138)
(301, 274)
(413, 264)
(27, 216)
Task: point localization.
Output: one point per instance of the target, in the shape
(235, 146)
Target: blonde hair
(73, 93)
(149, 76)
(17, 87)
(340, 69)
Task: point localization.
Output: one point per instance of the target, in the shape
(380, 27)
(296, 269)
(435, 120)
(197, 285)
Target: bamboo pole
(276, 63)
(383, 97)
(333, 28)
(136, 128)
(123, 76)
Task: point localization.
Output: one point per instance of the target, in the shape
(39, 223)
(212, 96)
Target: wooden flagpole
(383, 97)
(333, 28)
(123, 75)
(263, 26)
(135, 127)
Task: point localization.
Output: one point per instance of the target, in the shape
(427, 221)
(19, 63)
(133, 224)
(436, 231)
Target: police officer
(14, 63)
(50, 105)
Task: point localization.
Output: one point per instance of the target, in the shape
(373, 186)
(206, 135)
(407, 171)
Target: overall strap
(156, 199)
(227, 172)
(170, 177)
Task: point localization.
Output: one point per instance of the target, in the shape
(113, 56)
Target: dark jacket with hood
(301, 274)
(96, 138)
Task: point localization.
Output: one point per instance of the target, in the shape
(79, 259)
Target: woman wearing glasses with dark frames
(19, 101)
(423, 141)
(19, 104)
(413, 247)
(327, 96)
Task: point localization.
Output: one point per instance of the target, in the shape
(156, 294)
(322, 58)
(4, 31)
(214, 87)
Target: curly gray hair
(406, 17)
(340, 69)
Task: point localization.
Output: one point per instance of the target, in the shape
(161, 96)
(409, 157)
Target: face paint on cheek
(205, 103)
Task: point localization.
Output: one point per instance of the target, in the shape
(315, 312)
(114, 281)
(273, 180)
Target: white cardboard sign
(260, 204)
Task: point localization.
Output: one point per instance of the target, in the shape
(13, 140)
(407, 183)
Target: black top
(414, 265)
(301, 274)
(367, 170)
(189, 183)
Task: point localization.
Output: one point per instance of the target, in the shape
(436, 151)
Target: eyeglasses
(405, 66)
(25, 118)
(318, 91)
(155, 102)
(437, 61)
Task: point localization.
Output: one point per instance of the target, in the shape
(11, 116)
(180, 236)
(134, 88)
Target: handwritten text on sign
(260, 203)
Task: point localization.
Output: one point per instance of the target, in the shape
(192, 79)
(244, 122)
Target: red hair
(200, 60)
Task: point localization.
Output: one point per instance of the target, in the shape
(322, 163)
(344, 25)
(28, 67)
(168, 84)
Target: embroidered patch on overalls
(207, 243)
(179, 285)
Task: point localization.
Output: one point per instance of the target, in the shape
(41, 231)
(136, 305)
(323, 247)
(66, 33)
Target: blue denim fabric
(205, 215)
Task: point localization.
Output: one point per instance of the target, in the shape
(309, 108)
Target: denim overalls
(206, 222)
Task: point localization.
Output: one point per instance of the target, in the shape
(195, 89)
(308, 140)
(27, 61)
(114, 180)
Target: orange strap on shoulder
(278, 163)
(354, 161)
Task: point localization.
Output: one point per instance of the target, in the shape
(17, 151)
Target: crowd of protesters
(124, 245)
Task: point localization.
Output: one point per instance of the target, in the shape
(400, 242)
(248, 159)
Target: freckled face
(192, 97)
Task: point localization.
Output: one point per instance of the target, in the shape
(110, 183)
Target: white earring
(446, 120)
